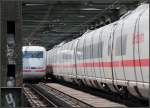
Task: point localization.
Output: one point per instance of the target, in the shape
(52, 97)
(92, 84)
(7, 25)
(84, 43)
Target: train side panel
(114, 57)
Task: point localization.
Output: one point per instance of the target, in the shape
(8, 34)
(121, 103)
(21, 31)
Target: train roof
(33, 48)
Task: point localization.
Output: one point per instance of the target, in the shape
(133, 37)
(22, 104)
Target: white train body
(34, 62)
(114, 57)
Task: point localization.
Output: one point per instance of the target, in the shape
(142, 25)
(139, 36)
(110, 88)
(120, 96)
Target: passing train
(114, 57)
(34, 62)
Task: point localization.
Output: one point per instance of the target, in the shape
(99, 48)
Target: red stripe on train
(125, 63)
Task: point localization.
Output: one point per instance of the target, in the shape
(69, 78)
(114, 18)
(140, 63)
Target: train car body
(34, 62)
(114, 57)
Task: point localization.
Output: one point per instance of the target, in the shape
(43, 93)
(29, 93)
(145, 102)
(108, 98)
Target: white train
(34, 62)
(114, 57)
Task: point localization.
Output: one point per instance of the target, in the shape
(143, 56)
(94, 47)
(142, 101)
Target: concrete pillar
(10, 52)
(11, 41)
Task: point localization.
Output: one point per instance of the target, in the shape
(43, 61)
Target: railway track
(40, 95)
(78, 97)
(60, 95)
(35, 98)
(68, 99)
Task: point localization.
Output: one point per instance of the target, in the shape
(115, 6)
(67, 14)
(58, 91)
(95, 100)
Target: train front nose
(34, 74)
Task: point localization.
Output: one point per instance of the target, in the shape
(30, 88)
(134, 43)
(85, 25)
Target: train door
(74, 59)
(56, 68)
(95, 51)
(66, 53)
(69, 57)
(87, 56)
(117, 60)
(130, 56)
(60, 60)
(100, 53)
(87, 49)
(71, 60)
(57, 61)
(91, 58)
(65, 61)
(80, 59)
(51, 61)
(141, 53)
(107, 40)
(144, 46)
(70, 65)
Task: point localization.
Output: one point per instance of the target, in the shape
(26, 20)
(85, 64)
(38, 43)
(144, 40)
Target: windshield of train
(33, 54)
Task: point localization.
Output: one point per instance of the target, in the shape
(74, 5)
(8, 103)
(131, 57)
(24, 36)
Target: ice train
(114, 57)
(34, 62)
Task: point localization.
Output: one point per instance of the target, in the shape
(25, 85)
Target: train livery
(34, 62)
(114, 57)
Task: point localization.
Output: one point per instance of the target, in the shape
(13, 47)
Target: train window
(62, 56)
(33, 54)
(124, 45)
(67, 55)
(100, 49)
(79, 53)
(84, 49)
(71, 51)
(109, 49)
(54, 59)
(87, 52)
(118, 46)
(121, 49)
(95, 51)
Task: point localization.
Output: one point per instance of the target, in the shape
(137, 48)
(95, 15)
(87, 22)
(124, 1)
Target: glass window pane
(118, 47)
(33, 54)
(124, 44)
